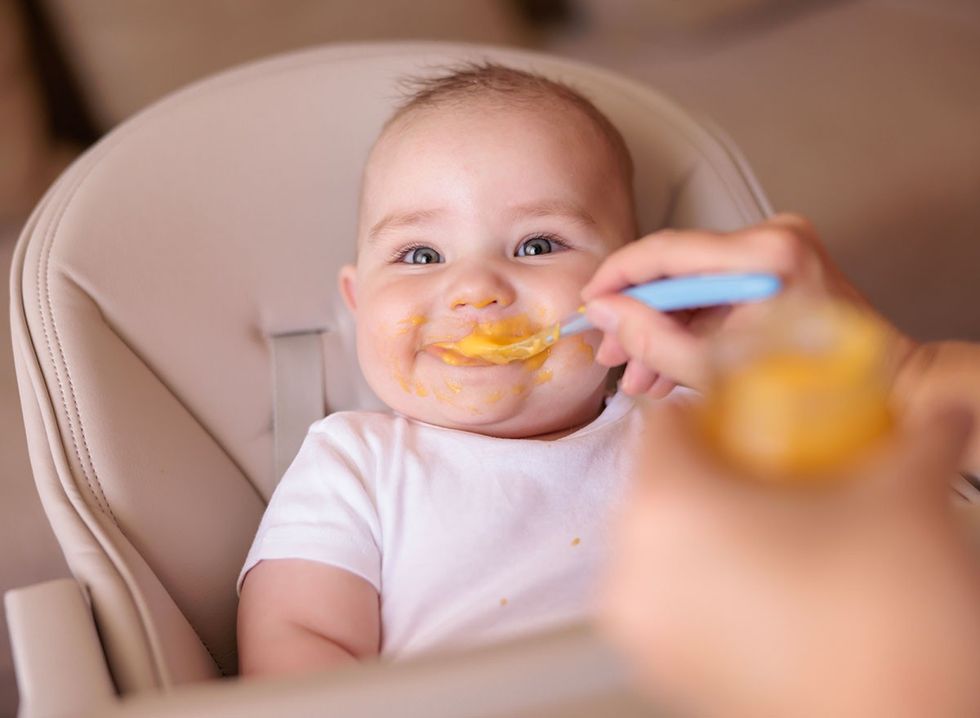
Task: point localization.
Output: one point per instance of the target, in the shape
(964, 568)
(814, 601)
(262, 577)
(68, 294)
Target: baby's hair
(488, 81)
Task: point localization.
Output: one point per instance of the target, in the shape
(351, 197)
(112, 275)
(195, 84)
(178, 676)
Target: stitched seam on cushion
(199, 423)
(99, 494)
(157, 660)
(43, 278)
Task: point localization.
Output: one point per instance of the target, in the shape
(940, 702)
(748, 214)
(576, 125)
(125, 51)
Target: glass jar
(801, 394)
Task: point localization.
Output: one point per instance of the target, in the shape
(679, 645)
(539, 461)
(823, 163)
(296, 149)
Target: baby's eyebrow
(399, 220)
(555, 207)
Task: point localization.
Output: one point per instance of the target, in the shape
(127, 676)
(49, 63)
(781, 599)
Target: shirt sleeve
(323, 510)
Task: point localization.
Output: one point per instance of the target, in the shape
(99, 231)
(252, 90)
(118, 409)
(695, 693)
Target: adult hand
(854, 599)
(660, 349)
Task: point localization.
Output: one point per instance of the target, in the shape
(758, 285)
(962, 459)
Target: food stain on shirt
(576, 541)
(503, 602)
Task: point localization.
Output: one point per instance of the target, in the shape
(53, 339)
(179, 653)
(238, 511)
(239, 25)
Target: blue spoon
(665, 295)
(693, 292)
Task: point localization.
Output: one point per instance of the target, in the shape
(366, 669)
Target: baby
(474, 511)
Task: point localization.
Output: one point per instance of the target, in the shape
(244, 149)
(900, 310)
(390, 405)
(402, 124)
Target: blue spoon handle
(706, 290)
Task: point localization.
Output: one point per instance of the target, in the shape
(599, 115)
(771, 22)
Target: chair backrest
(151, 284)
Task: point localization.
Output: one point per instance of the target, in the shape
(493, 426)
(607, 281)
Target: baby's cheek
(573, 355)
(568, 365)
(386, 350)
(583, 350)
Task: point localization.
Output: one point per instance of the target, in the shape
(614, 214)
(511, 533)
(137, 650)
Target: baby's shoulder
(372, 426)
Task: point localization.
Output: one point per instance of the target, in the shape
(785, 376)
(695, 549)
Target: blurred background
(862, 114)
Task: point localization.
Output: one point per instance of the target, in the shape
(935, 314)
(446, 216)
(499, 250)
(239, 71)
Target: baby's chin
(517, 411)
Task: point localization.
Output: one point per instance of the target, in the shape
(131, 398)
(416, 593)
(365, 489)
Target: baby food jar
(801, 394)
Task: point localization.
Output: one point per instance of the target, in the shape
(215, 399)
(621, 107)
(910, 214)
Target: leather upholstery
(147, 285)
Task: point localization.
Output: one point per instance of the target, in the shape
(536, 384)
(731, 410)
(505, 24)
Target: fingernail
(602, 315)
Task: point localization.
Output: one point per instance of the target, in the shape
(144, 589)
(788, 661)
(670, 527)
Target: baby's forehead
(457, 121)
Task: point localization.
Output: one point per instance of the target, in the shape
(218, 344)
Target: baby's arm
(297, 615)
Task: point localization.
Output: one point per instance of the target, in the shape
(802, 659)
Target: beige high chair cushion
(150, 282)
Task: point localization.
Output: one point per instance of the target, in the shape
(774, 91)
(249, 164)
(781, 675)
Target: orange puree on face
(411, 322)
(493, 342)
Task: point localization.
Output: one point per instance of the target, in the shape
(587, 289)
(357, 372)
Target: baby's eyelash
(550, 237)
(553, 238)
(402, 252)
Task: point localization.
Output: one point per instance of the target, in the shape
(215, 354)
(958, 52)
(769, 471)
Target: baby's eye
(421, 255)
(536, 245)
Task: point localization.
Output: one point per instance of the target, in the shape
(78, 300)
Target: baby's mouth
(487, 344)
(454, 358)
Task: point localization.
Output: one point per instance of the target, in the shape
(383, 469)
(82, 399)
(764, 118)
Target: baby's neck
(551, 436)
(546, 430)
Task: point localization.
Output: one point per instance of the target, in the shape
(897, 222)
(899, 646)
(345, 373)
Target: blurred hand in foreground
(856, 598)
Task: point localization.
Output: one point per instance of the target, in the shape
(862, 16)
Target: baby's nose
(461, 302)
(479, 288)
(482, 296)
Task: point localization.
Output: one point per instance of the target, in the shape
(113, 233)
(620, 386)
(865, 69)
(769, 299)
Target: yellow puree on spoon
(499, 342)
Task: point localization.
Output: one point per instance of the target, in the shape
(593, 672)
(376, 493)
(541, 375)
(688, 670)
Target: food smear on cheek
(409, 323)
(545, 375)
(494, 397)
(399, 372)
(585, 350)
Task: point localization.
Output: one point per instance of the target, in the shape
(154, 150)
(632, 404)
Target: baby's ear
(347, 284)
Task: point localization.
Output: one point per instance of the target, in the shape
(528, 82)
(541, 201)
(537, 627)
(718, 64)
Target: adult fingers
(638, 379)
(781, 246)
(652, 338)
(610, 353)
(661, 387)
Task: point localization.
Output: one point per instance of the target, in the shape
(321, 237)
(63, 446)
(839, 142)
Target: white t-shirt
(468, 539)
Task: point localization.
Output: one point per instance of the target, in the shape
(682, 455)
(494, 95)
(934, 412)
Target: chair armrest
(568, 674)
(58, 659)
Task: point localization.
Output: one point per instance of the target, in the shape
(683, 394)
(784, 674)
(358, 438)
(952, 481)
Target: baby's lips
(451, 357)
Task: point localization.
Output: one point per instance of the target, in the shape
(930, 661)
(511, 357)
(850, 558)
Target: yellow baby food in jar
(801, 395)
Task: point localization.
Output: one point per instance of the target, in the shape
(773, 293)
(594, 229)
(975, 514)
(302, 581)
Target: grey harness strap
(297, 391)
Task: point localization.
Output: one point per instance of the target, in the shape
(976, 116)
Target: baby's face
(487, 217)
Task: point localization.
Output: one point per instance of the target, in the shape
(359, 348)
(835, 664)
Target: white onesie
(469, 539)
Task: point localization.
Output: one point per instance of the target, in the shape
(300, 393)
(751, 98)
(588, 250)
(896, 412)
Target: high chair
(176, 330)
